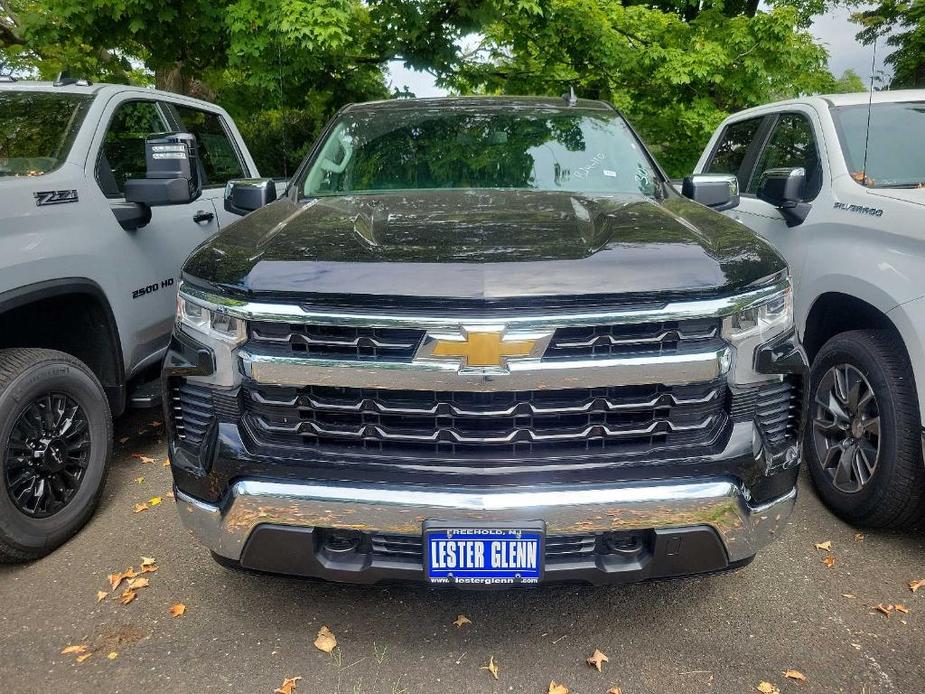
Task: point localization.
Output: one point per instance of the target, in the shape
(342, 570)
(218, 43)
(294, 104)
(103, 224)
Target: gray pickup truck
(90, 251)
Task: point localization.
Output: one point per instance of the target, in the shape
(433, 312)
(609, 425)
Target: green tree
(902, 23)
(676, 73)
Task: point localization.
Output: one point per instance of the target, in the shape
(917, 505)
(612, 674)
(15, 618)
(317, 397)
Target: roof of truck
(480, 102)
(93, 89)
(826, 100)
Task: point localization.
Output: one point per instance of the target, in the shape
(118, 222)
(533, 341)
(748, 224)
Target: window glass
(792, 144)
(123, 152)
(732, 147)
(469, 148)
(37, 130)
(895, 146)
(219, 158)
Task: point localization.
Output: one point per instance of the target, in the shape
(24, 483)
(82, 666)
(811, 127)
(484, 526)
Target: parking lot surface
(245, 632)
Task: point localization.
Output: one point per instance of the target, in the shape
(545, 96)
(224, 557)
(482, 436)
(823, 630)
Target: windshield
(37, 130)
(524, 149)
(896, 145)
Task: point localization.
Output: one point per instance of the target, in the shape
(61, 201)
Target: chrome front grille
(336, 341)
(608, 341)
(499, 424)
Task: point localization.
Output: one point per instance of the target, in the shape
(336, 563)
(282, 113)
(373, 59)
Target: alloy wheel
(47, 455)
(846, 427)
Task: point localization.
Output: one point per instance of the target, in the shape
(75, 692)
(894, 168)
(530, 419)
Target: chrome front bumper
(401, 510)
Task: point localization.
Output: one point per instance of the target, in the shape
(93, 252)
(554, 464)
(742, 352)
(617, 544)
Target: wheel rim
(846, 428)
(47, 455)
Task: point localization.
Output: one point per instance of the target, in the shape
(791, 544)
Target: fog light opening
(623, 543)
(342, 540)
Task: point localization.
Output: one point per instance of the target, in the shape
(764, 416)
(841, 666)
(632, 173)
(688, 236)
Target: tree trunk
(172, 79)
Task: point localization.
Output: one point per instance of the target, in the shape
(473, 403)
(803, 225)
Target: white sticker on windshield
(609, 172)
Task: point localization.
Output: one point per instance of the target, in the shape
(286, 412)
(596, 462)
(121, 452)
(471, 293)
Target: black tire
(25, 376)
(894, 494)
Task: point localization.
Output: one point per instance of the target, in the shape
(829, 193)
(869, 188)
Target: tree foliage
(902, 22)
(281, 67)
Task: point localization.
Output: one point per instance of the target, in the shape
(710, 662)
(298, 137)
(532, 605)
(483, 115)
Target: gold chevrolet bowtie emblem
(483, 348)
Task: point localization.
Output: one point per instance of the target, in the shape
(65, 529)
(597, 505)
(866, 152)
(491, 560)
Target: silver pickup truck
(88, 280)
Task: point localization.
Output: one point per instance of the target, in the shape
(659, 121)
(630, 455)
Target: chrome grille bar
(309, 428)
(526, 374)
(372, 405)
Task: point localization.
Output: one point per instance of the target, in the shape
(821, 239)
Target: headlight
(209, 323)
(758, 323)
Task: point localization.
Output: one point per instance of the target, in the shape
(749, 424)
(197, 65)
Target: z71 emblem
(55, 197)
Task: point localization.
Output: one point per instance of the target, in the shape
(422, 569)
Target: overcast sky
(834, 30)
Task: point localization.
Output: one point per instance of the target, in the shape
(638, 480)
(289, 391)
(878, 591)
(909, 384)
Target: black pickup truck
(484, 342)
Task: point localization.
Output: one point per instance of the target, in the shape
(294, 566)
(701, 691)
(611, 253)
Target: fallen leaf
(147, 561)
(884, 609)
(556, 688)
(137, 583)
(288, 685)
(138, 480)
(859, 537)
(767, 688)
(101, 595)
(462, 619)
(177, 610)
(149, 569)
(143, 458)
(78, 649)
(83, 657)
(795, 675)
(116, 579)
(597, 659)
(850, 596)
(492, 667)
(325, 641)
(154, 500)
(127, 596)
(138, 508)
(915, 585)
(169, 495)
(825, 547)
(829, 560)
(112, 655)
(123, 439)
(901, 608)
(166, 462)
(614, 690)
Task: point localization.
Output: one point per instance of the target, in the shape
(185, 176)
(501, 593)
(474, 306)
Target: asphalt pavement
(245, 632)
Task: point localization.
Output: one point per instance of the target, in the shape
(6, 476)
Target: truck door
(148, 259)
(220, 159)
(750, 147)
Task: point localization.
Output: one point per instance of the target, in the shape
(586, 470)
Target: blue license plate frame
(510, 554)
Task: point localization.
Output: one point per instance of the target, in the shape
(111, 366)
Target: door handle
(202, 216)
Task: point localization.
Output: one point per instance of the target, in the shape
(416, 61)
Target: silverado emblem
(484, 347)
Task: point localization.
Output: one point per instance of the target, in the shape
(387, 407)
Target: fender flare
(27, 294)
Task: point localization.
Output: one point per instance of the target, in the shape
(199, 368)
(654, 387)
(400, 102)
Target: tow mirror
(784, 188)
(717, 191)
(172, 175)
(248, 194)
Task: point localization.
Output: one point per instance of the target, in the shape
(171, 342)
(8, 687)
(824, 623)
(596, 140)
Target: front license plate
(483, 554)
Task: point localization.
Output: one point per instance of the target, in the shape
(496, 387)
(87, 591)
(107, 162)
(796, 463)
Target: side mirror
(784, 188)
(172, 176)
(248, 194)
(717, 191)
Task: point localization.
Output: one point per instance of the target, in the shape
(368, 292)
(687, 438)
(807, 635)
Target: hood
(913, 195)
(483, 245)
